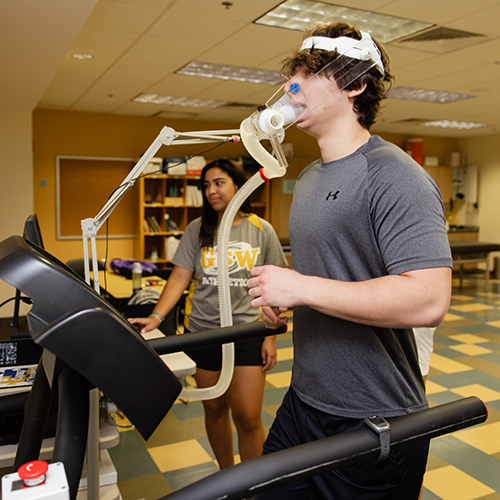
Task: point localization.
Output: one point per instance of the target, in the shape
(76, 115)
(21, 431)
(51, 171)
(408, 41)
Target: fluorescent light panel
(227, 72)
(454, 124)
(413, 94)
(177, 101)
(82, 57)
(302, 14)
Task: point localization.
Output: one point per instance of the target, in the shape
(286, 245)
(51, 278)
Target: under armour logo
(332, 195)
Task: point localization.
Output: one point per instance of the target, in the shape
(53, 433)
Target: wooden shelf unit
(164, 195)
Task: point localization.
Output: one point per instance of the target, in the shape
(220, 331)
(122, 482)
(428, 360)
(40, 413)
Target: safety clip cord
(382, 428)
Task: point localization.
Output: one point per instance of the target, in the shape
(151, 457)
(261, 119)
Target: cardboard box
(174, 201)
(175, 166)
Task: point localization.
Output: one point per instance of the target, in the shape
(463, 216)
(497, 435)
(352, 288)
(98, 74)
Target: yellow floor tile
(463, 298)
(472, 307)
(281, 379)
(483, 393)
(450, 483)
(433, 388)
(468, 338)
(285, 353)
(122, 422)
(471, 349)
(179, 455)
(447, 365)
(452, 317)
(485, 437)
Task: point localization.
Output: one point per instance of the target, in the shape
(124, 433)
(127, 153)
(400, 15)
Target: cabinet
(443, 176)
(463, 235)
(166, 207)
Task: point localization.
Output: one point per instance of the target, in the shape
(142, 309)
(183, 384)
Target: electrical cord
(26, 300)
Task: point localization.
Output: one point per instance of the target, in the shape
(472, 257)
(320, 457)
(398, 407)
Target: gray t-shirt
(373, 213)
(253, 242)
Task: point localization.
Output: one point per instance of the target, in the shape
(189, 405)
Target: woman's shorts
(246, 353)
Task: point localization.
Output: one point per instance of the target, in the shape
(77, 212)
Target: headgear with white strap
(363, 50)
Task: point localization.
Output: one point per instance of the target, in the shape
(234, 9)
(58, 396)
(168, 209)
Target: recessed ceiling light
(454, 124)
(302, 14)
(177, 101)
(82, 57)
(227, 72)
(412, 94)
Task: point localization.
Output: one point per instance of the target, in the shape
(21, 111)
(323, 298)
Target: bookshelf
(167, 204)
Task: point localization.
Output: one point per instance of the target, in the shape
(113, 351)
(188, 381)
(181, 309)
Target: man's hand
(273, 286)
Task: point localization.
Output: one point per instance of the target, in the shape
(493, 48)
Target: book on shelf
(170, 225)
(194, 196)
(153, 223)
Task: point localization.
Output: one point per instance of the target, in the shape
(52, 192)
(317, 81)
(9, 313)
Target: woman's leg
(246, 393)
(217, 421)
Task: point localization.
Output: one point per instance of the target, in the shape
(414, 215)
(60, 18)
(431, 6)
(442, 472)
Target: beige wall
(16, 202)
(485, 153)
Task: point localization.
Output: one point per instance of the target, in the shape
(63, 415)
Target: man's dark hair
(367, 104)
(209, 219)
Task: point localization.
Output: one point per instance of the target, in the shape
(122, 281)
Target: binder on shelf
(154, 166)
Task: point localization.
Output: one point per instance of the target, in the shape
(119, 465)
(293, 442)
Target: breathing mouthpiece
(272, 120)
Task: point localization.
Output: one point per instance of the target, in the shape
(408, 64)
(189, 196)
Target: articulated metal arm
(166, 137)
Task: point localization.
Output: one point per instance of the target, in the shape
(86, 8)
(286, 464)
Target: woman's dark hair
(367, 104)
(209, 219)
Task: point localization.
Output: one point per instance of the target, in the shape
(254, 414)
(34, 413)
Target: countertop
(463, 229)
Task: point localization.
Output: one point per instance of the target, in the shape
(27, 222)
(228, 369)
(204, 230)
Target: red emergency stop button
(33, 473)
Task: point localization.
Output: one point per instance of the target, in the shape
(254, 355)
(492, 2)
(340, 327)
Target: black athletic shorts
(399, 477)
(246, 353)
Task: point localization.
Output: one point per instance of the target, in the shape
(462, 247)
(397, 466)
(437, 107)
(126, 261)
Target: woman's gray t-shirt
(253, 242)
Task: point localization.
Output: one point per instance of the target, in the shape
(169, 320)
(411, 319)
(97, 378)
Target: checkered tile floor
(462, 466)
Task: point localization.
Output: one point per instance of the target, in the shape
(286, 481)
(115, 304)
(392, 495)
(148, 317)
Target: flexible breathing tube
(226, 316)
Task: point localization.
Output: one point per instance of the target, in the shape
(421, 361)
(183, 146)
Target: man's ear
(356, 92)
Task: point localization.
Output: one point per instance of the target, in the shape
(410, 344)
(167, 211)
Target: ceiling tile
(436, 12)
(120, 16)
(192, 26)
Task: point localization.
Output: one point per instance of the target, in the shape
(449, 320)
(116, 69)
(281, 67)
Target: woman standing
(253, 242)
